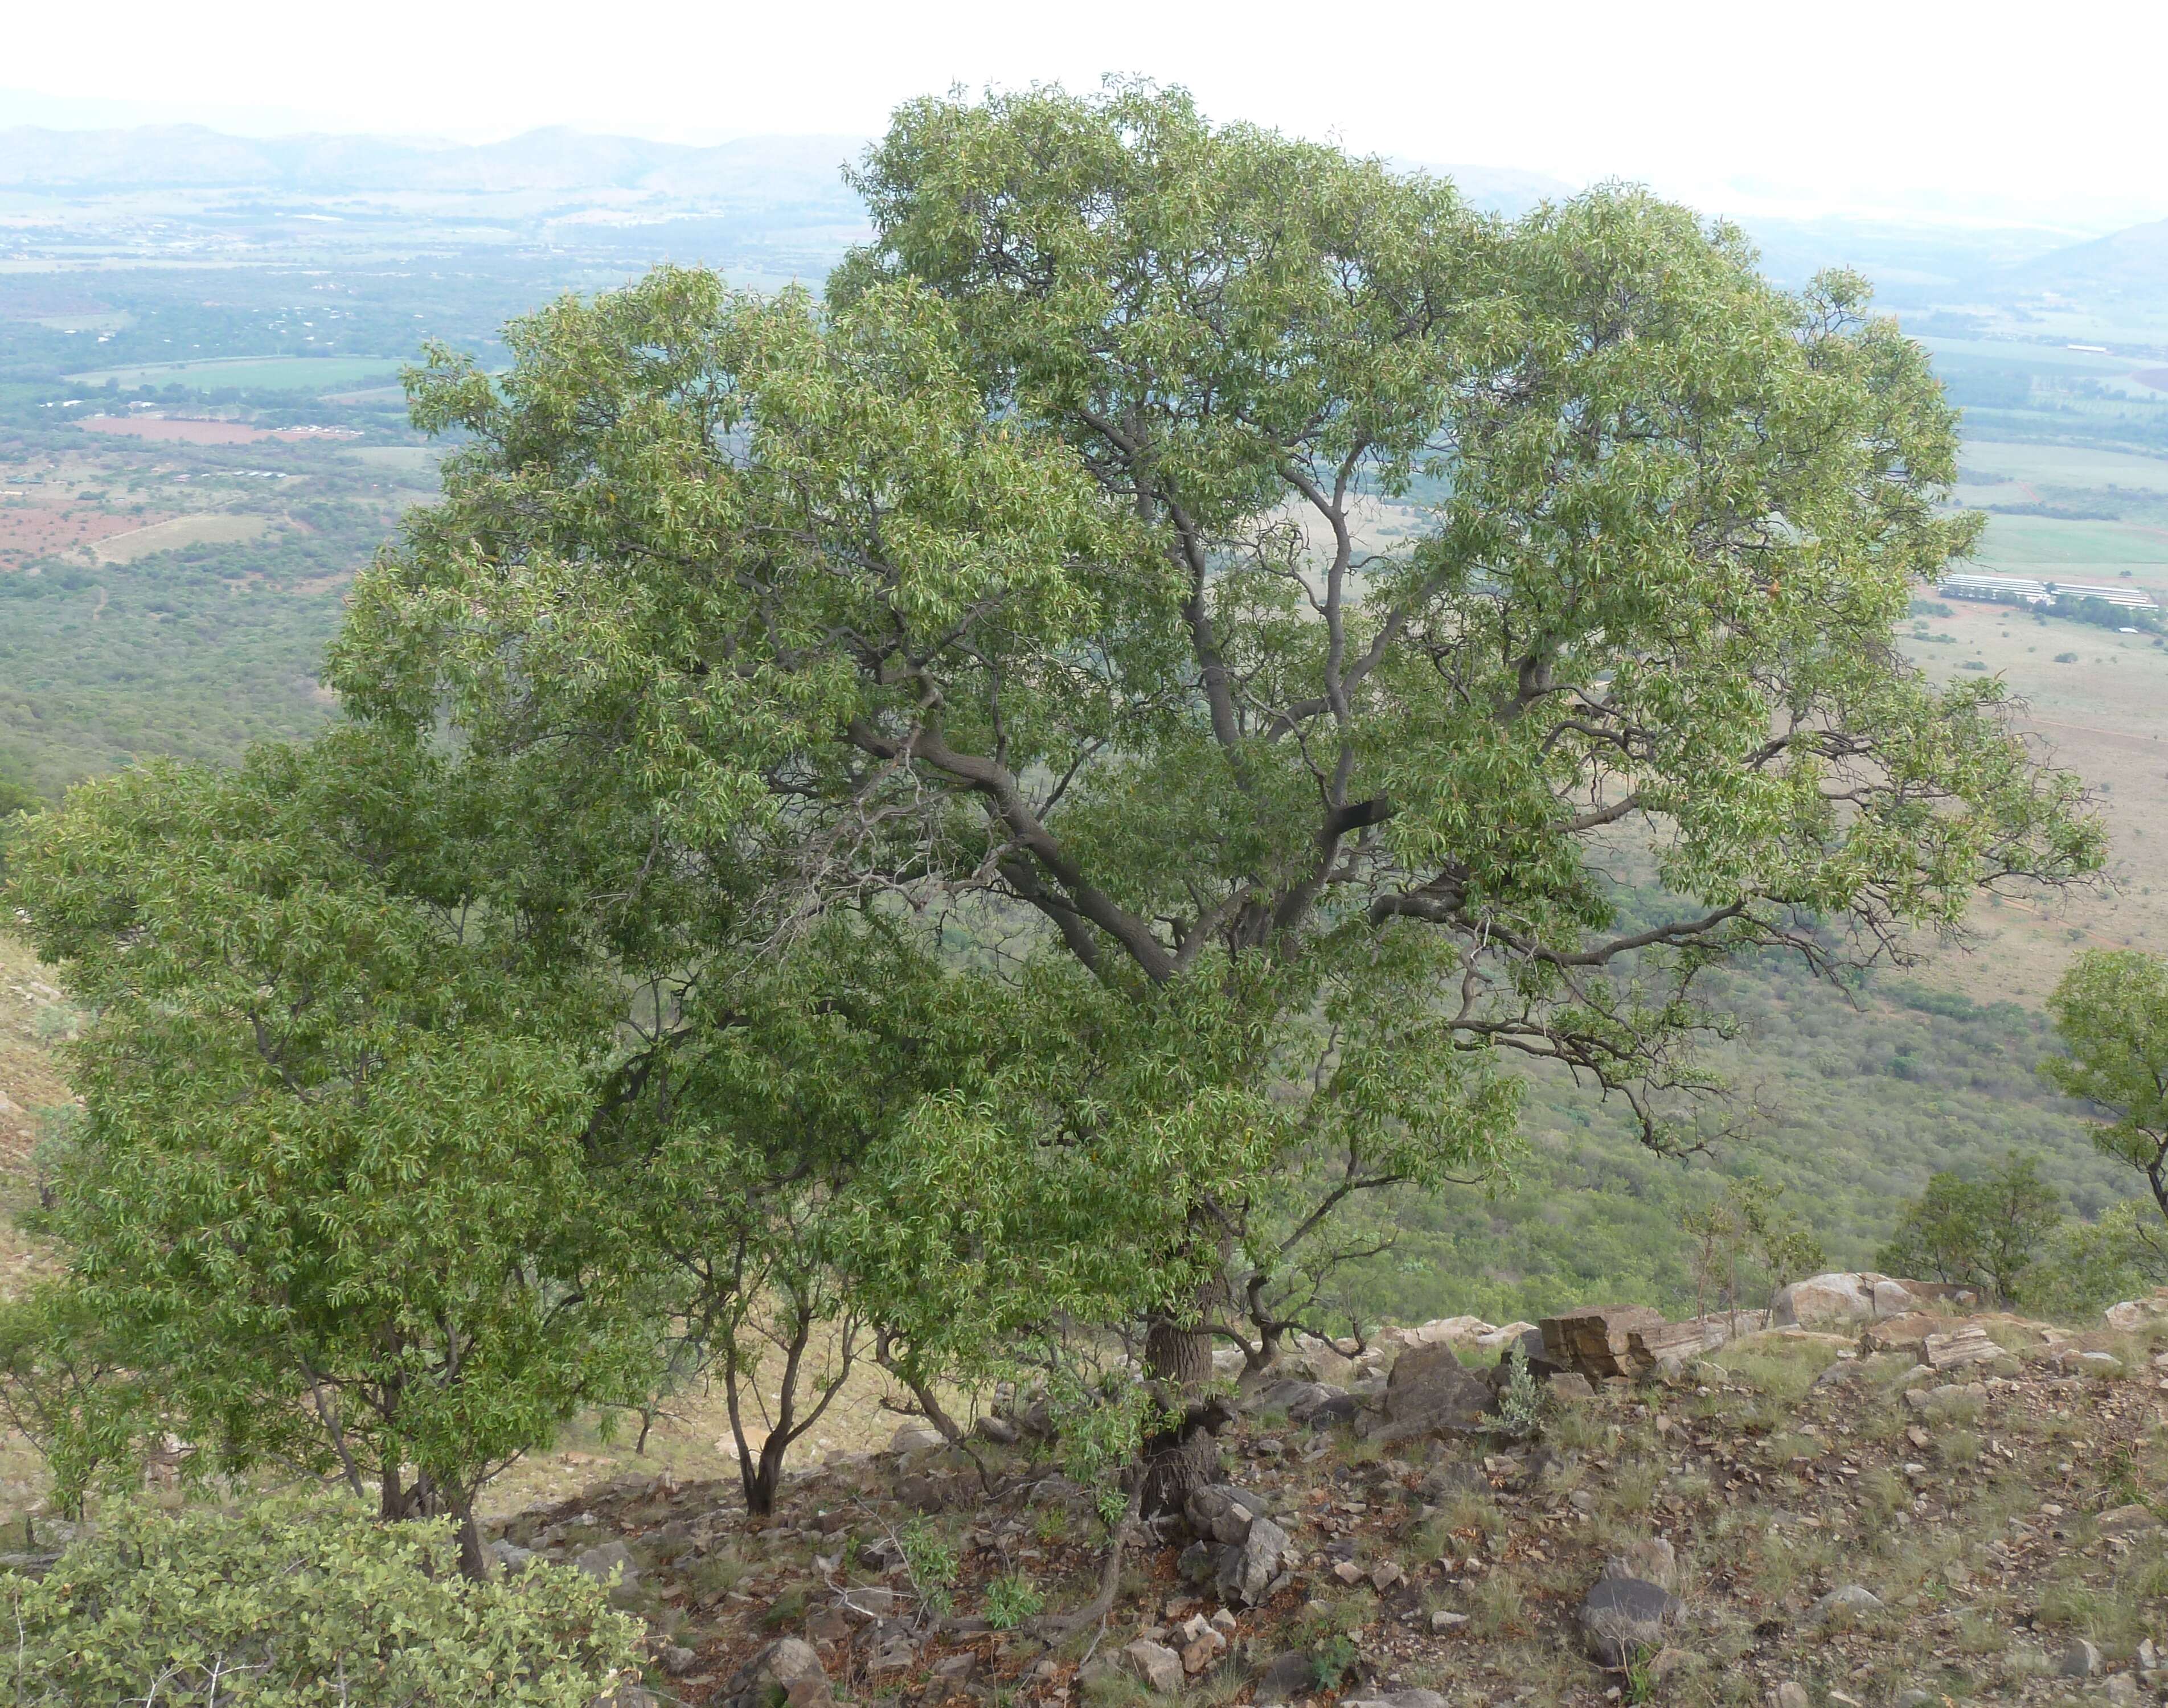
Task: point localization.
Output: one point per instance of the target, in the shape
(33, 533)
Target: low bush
(301, 1603)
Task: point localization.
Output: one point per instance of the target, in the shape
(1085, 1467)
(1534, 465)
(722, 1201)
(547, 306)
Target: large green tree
(1016, 791)
(1249, 575)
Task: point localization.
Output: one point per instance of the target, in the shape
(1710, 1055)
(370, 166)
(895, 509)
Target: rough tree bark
(1178, 1363)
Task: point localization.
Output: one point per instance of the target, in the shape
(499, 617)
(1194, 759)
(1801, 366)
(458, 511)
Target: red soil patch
(28, 531)
(187, 433)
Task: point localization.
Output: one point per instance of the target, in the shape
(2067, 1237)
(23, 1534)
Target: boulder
(1249, 1569)
(1287, 1675)
(1836, 1298)
(1790, 1694)
(1652, 1560)
(1398, 1699)
(2128, 1521)
(1623, 1618)
(2080, 1660)
(1593, 1338)
(1430, 1388)
(1959, 1348)
(912, 1438)
(1844, 1295)
(1903, 1333)
(605, 1558)
(787, 1672)
(1222, 1513)
(1298, 1399)
(1569, 1384)
(1315, 1359)
(1341, 1407)
(1159, 1665)
(1852, 1599)
(2129, 1317)
(511, 1558)
(1498, 1339)
(1449, 1331)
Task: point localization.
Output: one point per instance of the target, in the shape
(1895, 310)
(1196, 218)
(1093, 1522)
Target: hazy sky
(2054, 113)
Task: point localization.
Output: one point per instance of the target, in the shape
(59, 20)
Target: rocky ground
(1925, 1508)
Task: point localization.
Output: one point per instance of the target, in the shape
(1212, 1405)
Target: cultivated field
(33, 528)
(251, 373)
(169, 429)
(208, 529)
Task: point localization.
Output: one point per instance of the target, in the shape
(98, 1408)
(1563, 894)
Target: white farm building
(2023, 589)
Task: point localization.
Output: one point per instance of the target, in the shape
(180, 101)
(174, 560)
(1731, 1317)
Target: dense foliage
(329, 1185)
(296, 1604)
(937, 806)
(2111, 1010)
(1987, 1232)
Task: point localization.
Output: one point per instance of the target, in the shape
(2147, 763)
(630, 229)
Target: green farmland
(249, 374)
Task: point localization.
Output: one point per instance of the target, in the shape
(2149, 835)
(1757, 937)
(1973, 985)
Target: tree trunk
(763, 1475)
(1178, 1362)
(474, 1558)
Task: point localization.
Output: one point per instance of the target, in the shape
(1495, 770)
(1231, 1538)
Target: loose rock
(1624, 1617)
(788, 1670)
(1222, 1513)
(1287, 1675)
(605, 1557)
(1249, 1569)
(2128, 1521)
(1652, 1560)
(1853, 1598)
(1159, 1665)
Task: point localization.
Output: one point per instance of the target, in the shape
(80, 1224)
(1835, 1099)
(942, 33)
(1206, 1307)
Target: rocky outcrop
(1603, 1341)
(2133, 1315)
(1844, 1297)
(1959, 1348)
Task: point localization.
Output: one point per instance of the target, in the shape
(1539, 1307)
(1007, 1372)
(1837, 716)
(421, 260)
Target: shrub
(1012, 1600)
(1520, 1402)
(302, 1603)
(2066, 658)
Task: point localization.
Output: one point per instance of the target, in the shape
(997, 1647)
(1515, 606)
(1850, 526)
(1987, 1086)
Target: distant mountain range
(767, 169)
(794, 185)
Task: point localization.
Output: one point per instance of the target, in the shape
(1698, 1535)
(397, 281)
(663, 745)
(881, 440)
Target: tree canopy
(2110, 1010)
(1159, 673)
